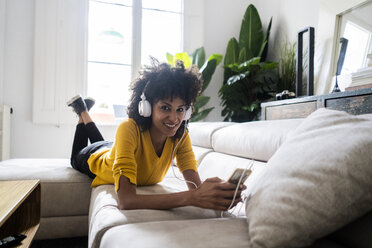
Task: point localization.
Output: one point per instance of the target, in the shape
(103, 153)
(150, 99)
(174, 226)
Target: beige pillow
(319, 180)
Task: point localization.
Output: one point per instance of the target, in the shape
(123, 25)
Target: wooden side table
(20, 209)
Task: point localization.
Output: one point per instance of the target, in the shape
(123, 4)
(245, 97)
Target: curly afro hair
(161, 81)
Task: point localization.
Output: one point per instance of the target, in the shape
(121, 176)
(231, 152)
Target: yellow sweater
(134, 156)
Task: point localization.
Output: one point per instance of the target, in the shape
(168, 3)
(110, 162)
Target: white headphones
(144, 108)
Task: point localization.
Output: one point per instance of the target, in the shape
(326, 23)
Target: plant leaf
(242, 55)
(251, 34)
(268, 29)
(232, 52)
(184, 57)
(245, 65)
(237, 78)
(262, 49)
(239, 68)
(269, 65)
(207, 71)
(217, 57)
(249, 54)
(170, 59)
(201, 115)
(198, 57)
(266, 48)
(251, 107)
(233, 67)
(201, 101)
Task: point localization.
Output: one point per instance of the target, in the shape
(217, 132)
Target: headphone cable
(183, 134)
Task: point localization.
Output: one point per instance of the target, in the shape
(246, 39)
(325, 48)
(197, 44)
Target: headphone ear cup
(188, 114)
(144, 108)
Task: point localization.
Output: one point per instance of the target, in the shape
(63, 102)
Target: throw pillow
(316, 182)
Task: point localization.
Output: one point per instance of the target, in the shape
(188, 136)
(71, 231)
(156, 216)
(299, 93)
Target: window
(358, 46)
(122, 34)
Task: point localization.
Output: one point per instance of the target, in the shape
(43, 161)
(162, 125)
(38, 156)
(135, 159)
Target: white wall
(27, 139)
(193, 25)
(221, 20)
(2, 47)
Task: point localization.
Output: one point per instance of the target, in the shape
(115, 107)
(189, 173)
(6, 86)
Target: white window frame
(137, 37)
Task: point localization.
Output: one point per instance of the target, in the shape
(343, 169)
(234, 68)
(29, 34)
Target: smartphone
(235, 177)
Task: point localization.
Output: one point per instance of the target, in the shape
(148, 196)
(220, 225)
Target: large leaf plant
(248, 78)
(206, 68)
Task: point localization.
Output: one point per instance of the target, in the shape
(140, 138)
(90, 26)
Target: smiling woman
(159, 84)
(147, 143)
(167, 116)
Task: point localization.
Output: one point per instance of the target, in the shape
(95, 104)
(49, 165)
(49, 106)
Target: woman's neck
(158, 141)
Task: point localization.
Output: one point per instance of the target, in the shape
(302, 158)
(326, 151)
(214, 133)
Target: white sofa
(220, 147)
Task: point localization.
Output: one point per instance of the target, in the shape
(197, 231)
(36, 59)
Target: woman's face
(167, 116)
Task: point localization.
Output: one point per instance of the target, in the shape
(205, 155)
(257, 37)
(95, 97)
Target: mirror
(356, 27)
(327, 44)
(354, 48)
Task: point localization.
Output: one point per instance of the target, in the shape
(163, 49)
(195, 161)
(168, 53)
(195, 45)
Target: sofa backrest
(201, 133)
(256, 140)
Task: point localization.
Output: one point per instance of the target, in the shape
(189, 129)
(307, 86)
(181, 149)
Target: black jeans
(81, 151)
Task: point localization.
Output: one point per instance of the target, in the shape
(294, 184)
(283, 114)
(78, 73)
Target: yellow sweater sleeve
(126, 143)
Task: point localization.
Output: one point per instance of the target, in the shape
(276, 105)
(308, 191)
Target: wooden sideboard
(20, 209)
(354, 102)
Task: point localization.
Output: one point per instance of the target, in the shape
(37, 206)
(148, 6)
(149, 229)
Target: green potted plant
(287, 67)
(248, 78)
(207, 68)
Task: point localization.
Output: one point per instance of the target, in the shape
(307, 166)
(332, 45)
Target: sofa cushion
(367, 116)
(318, 181)
(257, 140)
(64, 190)
(187, 233)
(176, 234)
(104, 211)
(221, 165)
(201, 132)
(200, 152)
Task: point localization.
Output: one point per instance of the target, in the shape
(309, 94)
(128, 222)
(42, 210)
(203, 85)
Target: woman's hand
(214, 193)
